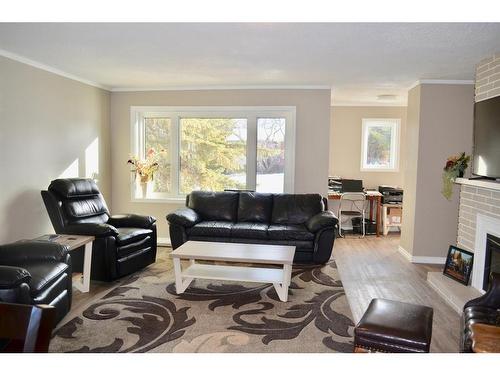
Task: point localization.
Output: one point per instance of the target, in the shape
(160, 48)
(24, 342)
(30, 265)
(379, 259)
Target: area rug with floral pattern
(144, 314)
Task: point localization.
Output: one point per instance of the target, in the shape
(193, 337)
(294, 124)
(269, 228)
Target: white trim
(395, 143)
(223, 87)
(404, 253)
(442, 82)
(47, 68)
(421, 259)
(368, 104)
(164, 241)
(484, 225)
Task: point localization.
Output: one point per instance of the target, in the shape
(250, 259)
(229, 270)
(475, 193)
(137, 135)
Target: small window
(380, 145)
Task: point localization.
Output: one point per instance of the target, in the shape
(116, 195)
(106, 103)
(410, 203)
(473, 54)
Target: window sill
(379, 170)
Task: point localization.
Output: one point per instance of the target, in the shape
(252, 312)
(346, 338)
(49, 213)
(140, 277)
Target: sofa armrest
(491, 298)
(322, 220)
(132, 221)
(185, 217)
(91, 229)
(24, 251)
(12, 277)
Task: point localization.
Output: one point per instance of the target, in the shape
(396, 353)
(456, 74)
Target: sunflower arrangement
(145, 168)
(455, 167)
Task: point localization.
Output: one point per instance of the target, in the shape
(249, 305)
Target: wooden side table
(73, 242)
(485, 338)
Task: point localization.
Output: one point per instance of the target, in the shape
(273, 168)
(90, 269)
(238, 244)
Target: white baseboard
(420, 259)
(164, 241)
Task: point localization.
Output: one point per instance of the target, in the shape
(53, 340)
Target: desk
(371, 196)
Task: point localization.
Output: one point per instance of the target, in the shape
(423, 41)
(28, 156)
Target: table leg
(181, 284)
(377, 226)
(371, 209)
(83, 285)
(282, 289)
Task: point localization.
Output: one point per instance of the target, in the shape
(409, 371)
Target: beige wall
(47, 122)
(445, 128)
(410, 170)
(345, 144)
(312, 136)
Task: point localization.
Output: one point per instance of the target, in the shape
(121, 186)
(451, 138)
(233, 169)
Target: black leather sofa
(36, 272)
(123, 243)
(484, 309)
(246, 217)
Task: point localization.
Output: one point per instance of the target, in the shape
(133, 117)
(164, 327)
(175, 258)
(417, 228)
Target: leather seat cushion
(289, 232)
(43, 274)
(217, 206)
(212, 228)
(395, 326)
(249, 230)
(74, 187)
(85, 207)
(255, 207)
(295, 208)
(129, 235)
(481, 314)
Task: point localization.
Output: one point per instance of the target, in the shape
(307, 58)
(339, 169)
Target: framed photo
(458, 264)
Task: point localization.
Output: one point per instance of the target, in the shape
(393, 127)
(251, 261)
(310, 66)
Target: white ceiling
(357, 60)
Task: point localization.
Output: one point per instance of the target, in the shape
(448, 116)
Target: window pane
(212, 154)
(271, 155)
(157, 135)
(379, 146)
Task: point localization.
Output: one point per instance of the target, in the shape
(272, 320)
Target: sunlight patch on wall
(92, 160)
(71, 171)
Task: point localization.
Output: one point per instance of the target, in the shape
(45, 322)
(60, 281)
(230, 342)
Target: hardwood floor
(372, 267)
(369, 268)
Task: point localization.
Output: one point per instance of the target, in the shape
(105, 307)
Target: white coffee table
(235, 253)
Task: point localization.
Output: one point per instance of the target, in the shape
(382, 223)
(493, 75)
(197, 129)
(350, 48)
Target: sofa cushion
(212, 228)
(129, 235)
(289, 232)
(214, 206)
(295, 208)
(85, 207)
(255, 207)
(249, 230)
(74, 187)
(43, 274)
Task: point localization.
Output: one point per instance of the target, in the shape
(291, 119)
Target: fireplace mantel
(485, 184)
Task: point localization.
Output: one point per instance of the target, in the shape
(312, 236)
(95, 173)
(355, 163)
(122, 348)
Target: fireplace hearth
(492, 258)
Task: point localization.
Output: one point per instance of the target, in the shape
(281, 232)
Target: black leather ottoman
(394, 327)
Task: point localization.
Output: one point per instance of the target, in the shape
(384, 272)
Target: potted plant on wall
(455, 167)
(144, 169)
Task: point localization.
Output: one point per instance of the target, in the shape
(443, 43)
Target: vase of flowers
(455, 167)
(144, 169)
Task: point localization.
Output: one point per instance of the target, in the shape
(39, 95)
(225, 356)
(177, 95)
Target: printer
(391, 194)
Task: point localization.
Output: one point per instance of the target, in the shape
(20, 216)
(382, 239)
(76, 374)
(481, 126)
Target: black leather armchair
(484, 309)
(36, 272)
(299, 220)
(123, 243)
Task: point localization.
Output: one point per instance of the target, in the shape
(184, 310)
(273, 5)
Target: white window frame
(252, 114)
(395, 123)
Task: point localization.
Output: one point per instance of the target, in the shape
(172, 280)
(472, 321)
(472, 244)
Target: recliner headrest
(74, 187)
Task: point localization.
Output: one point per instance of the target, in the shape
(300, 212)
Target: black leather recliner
(36, 272)
(123, 243)
(484, 309)
(298, 220)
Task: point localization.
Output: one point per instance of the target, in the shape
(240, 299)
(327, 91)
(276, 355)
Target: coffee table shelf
(234, 273)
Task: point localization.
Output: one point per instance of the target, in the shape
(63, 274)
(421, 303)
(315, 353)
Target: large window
(380, 145)
(215, 148)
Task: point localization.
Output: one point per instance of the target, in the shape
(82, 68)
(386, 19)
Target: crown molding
(47, 68)
(368, 104)
(442, 82)
(226, 87)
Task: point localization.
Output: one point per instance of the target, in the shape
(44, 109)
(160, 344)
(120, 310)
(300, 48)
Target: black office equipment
(352, 186)
(391, 194)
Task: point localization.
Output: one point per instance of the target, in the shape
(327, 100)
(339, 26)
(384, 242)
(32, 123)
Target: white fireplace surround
(484, 225)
